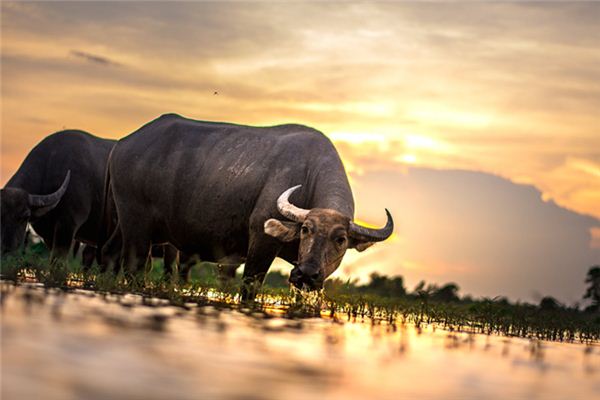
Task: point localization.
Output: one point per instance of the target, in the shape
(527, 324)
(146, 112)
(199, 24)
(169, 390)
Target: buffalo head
(324, 235)
(18, 208)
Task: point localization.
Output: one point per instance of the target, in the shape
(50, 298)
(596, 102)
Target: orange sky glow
(510, 90)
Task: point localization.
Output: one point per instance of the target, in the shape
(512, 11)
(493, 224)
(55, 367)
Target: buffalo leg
(172, 256)
(184, 271)
(185, 264)
(62, 242)
(136, 245)
(110, 254)
(169, 258)
(76, 246)
(88, 255)
(135, 255)
(227, 272)
(261, 253)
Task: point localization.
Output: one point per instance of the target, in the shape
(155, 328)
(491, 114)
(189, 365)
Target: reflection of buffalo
(58, 190)
(220, 190)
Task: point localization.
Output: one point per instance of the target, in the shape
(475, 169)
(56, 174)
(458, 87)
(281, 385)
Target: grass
(486, 316)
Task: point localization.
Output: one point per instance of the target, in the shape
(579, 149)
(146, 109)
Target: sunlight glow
(407, 158)
(365, 108)
(413, 265)
(357, 137)
(585, 166)
(426, 143)
(419, 142)
(434, 114)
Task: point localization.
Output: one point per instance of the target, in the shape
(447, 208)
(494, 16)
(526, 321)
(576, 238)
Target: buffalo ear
(282, 230)
(360, 246)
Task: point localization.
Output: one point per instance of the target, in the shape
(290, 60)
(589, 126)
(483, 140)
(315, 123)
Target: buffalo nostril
(295, 275)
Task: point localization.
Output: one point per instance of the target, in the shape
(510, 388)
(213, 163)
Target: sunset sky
(477, 124)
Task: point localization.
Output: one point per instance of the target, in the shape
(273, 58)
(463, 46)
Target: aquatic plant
(382, 302)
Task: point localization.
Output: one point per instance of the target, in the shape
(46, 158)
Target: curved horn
(289, 210)
(373, 235)
(52, 199)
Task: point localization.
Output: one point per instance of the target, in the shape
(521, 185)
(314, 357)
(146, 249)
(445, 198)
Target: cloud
(94, 58)
(491, 236)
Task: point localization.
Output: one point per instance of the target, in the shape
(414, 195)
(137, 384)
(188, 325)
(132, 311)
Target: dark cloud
(180, 32)
(491, 236)
(94, 58)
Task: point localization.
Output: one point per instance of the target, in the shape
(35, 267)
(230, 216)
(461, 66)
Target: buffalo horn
(289, 210)
(370, 234)
(49, 200)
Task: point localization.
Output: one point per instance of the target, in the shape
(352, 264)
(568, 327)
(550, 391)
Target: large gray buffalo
(233, 194)
(58, 189)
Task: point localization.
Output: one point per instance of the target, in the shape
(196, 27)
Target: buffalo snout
(307, 276)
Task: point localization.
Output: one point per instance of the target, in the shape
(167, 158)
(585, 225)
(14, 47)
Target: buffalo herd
(222, 192)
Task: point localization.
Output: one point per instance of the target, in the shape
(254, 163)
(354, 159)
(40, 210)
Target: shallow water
(83, 345)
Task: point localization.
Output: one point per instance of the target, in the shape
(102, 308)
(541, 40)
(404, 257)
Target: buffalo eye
(340, 240)
(304, 230)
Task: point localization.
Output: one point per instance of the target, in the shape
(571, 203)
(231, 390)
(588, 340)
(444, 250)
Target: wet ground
(84, 345)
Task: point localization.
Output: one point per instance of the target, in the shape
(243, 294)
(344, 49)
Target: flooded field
(85, 345)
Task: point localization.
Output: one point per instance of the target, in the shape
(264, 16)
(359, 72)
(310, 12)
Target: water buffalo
(58, 189)
(220, 190)
(70, 166)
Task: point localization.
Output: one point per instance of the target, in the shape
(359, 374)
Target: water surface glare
(85, 345)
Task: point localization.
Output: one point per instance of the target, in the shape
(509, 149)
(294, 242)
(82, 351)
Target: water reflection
(59, 345)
